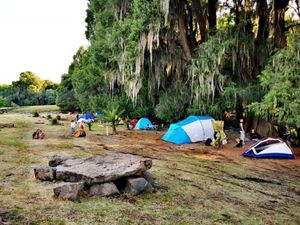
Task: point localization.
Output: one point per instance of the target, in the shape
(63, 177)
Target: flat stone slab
(101, 169)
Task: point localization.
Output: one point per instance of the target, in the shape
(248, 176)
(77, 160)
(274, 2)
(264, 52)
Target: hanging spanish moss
(142, 51)
(204, 71)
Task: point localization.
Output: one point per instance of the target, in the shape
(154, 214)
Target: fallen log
(7, 125)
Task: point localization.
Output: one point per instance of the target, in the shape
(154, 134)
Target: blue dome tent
(191, 129)
(99, 114)
(143, 123)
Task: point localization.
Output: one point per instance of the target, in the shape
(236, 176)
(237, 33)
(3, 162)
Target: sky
(40, 36)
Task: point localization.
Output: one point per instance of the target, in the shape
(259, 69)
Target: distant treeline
(28, 90)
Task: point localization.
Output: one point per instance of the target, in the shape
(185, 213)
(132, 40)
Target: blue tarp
(86, 117)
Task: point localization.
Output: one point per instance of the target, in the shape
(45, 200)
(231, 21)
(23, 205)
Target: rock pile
(100, 175)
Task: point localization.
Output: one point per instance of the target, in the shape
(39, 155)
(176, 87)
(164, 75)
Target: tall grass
(36, 108)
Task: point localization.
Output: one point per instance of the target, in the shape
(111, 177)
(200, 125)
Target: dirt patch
(132, 140)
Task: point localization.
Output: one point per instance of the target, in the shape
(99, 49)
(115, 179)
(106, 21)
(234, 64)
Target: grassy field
(194, 184)
(37, 108)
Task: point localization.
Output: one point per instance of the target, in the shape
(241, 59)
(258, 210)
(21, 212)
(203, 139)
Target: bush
(172, 104)
(35, 114)
(49, 117)
(54, 121)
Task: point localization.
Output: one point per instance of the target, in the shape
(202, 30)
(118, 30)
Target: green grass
(13, 143)
(189, 190)
(38, 109)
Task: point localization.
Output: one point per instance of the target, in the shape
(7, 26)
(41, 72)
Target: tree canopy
(167, 59)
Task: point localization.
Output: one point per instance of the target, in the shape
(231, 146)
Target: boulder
(44, 173)
(136, 186)
(58, 160)
(106, 189)
(102, 169)
(69, 191)
(148, 177)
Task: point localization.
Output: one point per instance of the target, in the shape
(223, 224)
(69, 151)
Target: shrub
(35, 114)
(54, 121)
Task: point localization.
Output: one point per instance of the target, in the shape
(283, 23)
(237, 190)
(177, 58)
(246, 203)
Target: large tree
(160, 51)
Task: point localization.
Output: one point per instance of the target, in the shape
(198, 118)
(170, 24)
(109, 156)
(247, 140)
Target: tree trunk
(262, 35)
(200, 18)
(248, 13)
(279, 23)
(212, 15)
(263, 22)
(239, 109)
(192, 28)
(114, 128)
(182, 31)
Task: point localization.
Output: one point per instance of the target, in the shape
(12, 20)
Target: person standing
(81, 125)
(287, 135)
(72, 127)
(242, 132)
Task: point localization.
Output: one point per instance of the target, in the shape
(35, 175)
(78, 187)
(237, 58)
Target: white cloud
(41, 36)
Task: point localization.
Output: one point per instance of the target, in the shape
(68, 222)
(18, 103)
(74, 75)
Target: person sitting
(148, 127)
(239, 144)
(254, 136)
(34, 135)
(38, 134)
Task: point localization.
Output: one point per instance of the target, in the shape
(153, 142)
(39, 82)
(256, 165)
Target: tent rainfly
(191, 129)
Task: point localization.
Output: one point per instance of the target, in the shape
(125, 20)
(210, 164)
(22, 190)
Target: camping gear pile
(98, 176)
(79, 133)
(219, 136)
